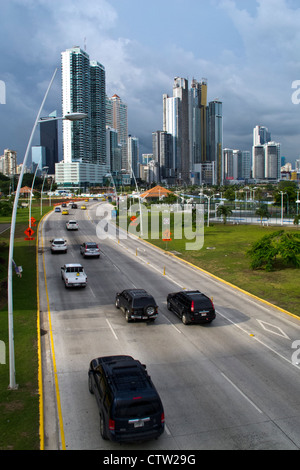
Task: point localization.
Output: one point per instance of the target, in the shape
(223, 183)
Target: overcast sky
(248, 50)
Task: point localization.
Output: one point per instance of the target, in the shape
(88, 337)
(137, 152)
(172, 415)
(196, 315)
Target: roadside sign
(29, 232)
(166, 236)
(32, 222)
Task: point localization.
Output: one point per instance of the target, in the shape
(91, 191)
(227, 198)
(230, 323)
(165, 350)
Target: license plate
(139, 424)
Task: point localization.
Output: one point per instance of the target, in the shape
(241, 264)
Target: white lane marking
(273, 327)
(92, 291)
(242, 393)
(112, 330)
(259, 341)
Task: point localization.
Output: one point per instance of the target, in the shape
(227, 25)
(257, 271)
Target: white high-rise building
(133, 155)
(261, 135)
(84, 142)
(272, 160)
(9, 162)
(117, 118)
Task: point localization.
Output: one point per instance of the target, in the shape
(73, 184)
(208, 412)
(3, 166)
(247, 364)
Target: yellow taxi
(83, 207)
(65, 212)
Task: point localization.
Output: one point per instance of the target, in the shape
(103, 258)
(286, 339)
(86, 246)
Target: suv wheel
(117, 303)
(90, 385)
(102, 427)
(168, 305)
(149, 310)
(184, 319)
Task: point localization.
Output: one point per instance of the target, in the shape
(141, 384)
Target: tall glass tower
(83, 90)
(116, 118)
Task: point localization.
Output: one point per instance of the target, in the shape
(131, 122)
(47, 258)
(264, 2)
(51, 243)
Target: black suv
(192, 306)
(137, 304)
(129, 406)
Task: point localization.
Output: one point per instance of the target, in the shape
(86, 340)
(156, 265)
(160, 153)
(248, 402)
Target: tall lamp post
(282, 193)
(208, 205)
(70, 116)
(46, 168)
(137, 189)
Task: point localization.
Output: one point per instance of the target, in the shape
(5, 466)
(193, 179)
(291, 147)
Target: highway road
(232, 384)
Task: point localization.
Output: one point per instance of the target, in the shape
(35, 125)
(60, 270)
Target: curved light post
(208, 205)
(46, 168)
(137, 190)
(70, 116)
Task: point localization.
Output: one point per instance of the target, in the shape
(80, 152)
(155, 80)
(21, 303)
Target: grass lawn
(224, 255)
(19, 409)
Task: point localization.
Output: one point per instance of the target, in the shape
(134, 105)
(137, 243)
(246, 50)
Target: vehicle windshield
(59, 242)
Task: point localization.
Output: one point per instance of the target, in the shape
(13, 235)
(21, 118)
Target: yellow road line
(61, 427)
(221, 280)
(40, 379)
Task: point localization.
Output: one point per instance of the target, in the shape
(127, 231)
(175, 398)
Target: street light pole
(137, 189)
(12, 372)
(46, 168)
(208, 205)
(282, 193)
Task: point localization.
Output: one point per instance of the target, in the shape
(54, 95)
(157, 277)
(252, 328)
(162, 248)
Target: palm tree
(224, 211)
(262, 212)
(297, 220)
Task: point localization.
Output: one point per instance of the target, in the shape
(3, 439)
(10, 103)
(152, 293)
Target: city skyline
(246, 50)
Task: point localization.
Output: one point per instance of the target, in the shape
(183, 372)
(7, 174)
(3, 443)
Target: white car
(72, 225)
(58, 245)
(73, 275)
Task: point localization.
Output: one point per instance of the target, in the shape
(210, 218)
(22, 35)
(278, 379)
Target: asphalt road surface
(232, 384)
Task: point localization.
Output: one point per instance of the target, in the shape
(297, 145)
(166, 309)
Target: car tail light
(192, 306)
(111, 424)
(162, 418)
(212, 304)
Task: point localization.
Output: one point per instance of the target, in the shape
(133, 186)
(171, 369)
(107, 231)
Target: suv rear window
(142, 301)
(137, 408)
(200, 300)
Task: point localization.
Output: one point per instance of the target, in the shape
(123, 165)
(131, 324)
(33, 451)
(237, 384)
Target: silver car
(58, 245)
(72, 225)
(90, 249)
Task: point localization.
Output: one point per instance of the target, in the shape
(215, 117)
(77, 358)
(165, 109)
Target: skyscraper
(176, 123)
(261, 135)
(162, 154)
(116, 117)
(84, 142)
(83, 90)
(215, 136)
(272, 160)
(133, 155)
(49, 140)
